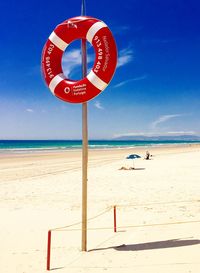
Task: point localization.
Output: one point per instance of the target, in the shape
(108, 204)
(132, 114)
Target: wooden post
(49, 250)
(84, 179)
(84, 143)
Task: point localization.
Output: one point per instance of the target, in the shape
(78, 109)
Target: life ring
(99, 35)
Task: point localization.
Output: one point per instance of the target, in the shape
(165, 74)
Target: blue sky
(156, 87)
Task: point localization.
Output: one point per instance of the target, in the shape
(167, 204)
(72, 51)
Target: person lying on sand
(125, 168)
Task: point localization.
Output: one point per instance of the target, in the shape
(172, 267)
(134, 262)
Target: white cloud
(131, 80)
(98, 105)
(182, 133)
(131, 134)
(125, 56)
(152, 134)
(29, 110)
(164, 118)
(72, 59)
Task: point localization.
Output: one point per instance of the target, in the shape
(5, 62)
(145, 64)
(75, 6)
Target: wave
(22, 146)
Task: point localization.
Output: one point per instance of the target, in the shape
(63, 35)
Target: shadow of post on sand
(153, 245)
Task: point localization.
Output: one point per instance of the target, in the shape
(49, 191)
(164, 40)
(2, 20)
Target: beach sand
(158, 211)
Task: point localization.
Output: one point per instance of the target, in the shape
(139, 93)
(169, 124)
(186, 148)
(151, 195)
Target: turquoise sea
(38, 145)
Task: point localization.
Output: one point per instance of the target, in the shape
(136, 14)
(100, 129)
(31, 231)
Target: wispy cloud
(164, 118)
(125, 56)
(98, 105)
(152, 134)
(132, 134)
(72, 59)
(29, 110)
(131, 80)
(182, 133)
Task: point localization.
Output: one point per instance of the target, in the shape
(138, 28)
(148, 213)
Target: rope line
(66, 228)
(134, 226)
(157, 203)
(78, 223)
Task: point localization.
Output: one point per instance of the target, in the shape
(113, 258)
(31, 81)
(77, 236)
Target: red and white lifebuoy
(99, 35)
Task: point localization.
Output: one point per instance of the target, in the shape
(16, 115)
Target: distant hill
(161, 138)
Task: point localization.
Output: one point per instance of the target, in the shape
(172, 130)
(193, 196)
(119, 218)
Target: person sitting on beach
(147, 156)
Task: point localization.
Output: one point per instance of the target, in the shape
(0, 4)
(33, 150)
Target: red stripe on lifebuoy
(97, 33)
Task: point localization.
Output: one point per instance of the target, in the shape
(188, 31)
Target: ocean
(52, 145)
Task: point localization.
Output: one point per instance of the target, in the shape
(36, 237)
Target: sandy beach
(157, 204)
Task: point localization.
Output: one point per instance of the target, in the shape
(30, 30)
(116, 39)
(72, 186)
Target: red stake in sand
(49, 250)
(115, 219)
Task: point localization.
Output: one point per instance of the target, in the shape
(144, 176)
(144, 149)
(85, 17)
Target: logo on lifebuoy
(67, 90)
